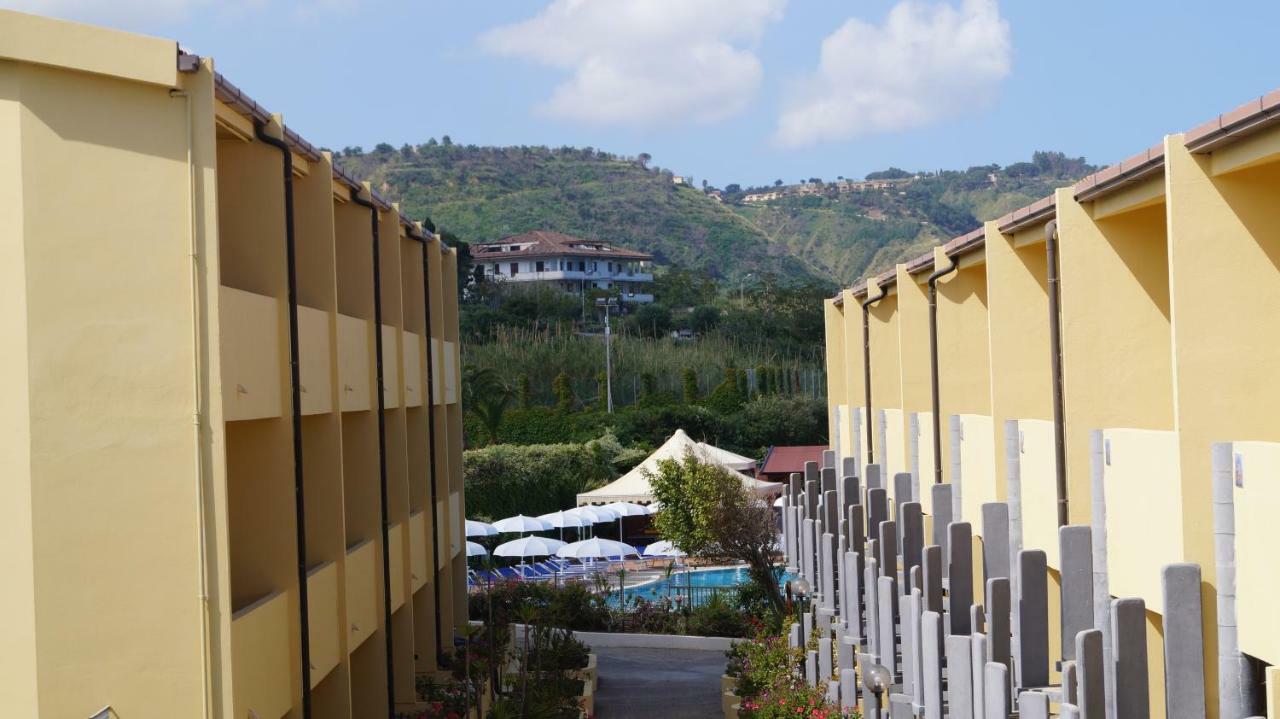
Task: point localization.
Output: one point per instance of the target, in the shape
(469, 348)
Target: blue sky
(741, 91)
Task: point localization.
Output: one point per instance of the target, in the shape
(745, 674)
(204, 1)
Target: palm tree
(487, 397)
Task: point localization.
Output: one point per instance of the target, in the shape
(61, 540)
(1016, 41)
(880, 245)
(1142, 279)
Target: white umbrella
(521, 523)
(778, 502)
(662, 549)
(475, 550)
(480, 529)
(626, 509)
(594, 514)
(528, 547)
(560, 520)
(595, 548)
(655, 507)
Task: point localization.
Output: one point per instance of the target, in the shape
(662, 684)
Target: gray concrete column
(1183, 642)
(811, 668)
(1033, 705)
(996, 691)
(850, 610)
(872, 478)
(1129, 629)
(959, 671)
(1091, 692)
(794, 637)
(1075, 552)
(998, 621)
(888, 645)
(941, 516)
(956, 479)
(848, 689)
(1033, 620)
(960, 572)
(1013, 472)
(825, 650)
(877, 510)
(931, 660)
(850, 493)
(1101, 582)
(888, 553)
(870, 582)
(915, 608)
(932, 578)
(977, 667)
(1236, 687)
(911, 523)
(828, 459)
(913, 449)
(829, 483)
(995, 540)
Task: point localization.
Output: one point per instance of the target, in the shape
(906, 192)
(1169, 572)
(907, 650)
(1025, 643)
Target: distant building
(570, 263)
(678, 180)
(761, 196)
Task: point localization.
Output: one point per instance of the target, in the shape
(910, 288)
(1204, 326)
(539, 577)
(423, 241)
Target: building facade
(232, 458)
(568, 263)
(1143, 293)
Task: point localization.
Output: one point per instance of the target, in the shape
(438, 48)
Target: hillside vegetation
(485, 193)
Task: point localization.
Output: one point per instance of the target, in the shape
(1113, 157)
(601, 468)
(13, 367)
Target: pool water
(693, 587)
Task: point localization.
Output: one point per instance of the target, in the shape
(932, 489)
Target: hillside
(831, 231)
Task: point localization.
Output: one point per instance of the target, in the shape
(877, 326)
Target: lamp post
(607, 303)
(877, 680)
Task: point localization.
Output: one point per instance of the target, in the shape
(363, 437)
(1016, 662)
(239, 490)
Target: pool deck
(650, 683)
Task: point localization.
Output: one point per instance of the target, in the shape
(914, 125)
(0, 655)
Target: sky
(732, 91)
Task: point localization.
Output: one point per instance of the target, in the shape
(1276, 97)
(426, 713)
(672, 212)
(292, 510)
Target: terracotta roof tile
(546, 243)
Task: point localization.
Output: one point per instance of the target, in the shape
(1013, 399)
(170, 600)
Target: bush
(718, 618)
(651, 426)
(773, 420)
(503, 480)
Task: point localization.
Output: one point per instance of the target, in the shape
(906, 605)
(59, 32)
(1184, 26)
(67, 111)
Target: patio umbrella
(778, 502)
(560, 520)
(594, 514)
(595, 548)
(663, 548)
(521, 523)
(475, 550)
(654, 507)
(626, 509)
(528, 547)
(480, 529)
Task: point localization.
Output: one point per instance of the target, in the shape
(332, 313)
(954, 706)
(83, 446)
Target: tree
(563, 391)
(689, 383)
(446, 141)
(522, 386)
(486, 397)
(644, 159)
(708, 513)
(732, 188)
(777, 183)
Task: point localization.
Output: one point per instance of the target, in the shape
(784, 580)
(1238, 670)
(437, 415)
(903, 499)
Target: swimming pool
(690, 587)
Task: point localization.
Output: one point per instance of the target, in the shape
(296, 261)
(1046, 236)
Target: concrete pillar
(1236, 689)
(885, 594)
(870, 583)
(848, 689)
(849, 466)
(998, 621)
(977, 619)
(932, 578)
(812, 471)
(850, 493)
(901, 493)
(888, 553)
(1013, 473)
(907, 645)
(1033, 620)
(1101, 583)
(960, 571)
(959, 671)
(806, 620)
(833, 692)
(1129, 630)
(900, 707)
(849, 610)
(1075, 552)
(795, 485)
(812, 495)
(828, 477)
(811, 668)
(1183, 642)
(870, 702)
(931, 660)
(844, 649)
(828, 555)
(957, 478)
(877, 510)
(831, 511)
(911, 522)
(828, 459)
(824, 658)
(1070, 681)
(996, 691)
(1068, 711)
(941, 515)
(995, 540)
(913, 449)
(1091, 691)
(1033, 705)
(978, 658)
(806, 551)
(915, 608)
(872, 477)
(796, 637)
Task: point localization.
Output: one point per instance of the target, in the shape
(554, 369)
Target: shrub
(502, 480)
(773, 420)
(689, 385)
(564, 392)
(522, 387)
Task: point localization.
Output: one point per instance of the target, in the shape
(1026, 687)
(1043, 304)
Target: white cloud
(644, 62)
(927, 62)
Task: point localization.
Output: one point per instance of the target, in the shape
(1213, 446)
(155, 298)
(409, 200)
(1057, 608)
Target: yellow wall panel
(261, 658)
(324, 620)
(1039, 489)
(414, 372)
(395, 543)
(315, 367)
(1142, 481)
(419, 572)
(362, 593)
(251, 355)
(391, 358)
(977, 468)
(1257, 502)
(354, 366)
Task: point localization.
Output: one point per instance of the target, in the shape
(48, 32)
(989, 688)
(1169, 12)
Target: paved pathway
(658, 683)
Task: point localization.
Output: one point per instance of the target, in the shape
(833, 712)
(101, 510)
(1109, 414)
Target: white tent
(634, 485)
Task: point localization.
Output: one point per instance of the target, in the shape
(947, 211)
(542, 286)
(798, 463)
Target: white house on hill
(570, 263)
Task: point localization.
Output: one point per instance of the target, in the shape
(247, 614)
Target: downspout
(295, 396)
(866, 367)
(431, 453)
(382, 449)
(1055, 361)
(933, 365)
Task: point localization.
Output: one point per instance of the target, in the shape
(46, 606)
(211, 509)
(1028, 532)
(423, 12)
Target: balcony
(1142, 482)
(323, 617)
(251, 355)
(362, 593)
(575, 275)
(260, 658)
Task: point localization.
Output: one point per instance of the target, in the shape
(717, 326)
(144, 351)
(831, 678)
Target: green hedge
(503, 480)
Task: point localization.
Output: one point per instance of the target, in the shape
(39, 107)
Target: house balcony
(572, 275)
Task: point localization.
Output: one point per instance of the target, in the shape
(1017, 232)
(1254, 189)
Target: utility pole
(608, 355)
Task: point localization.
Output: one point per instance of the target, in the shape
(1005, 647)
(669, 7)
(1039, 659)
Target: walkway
(652, 683)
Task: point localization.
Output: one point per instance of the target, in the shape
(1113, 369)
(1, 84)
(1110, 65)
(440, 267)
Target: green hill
(830, 233)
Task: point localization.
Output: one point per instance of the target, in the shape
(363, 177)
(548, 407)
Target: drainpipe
(382, 449)
(866, 366)
(295, 396)
(933, 364)
(1055, 360)
(431, 452)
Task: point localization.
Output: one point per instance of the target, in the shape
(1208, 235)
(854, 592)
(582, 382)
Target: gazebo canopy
(634, 485)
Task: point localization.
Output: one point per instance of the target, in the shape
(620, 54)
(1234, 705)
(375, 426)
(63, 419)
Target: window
(515, 268)
(582, 266)
(538, 268)
(610, 267)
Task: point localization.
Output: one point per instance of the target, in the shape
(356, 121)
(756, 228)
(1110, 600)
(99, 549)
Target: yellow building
(174, 492)
(1168, 282)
